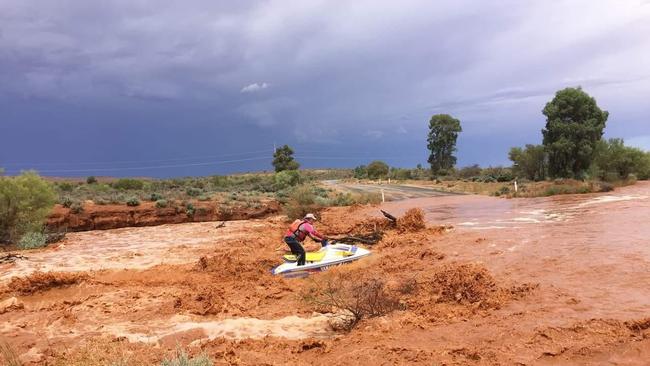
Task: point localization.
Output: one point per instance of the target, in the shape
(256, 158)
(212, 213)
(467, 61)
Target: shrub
(101, 201)
(190, 210)
(128, 184)
(193, 191)
(286, 179)
(353, 297)
(132, 202)
(76, 207)
(182, 359)
(161, 203)
(225, 212)
(470, 171)
(301, 201)
(65, 186)
(203, 197)
(155, 197)
(25, 202)
(32, 240)
(66, 202)
(91, 180)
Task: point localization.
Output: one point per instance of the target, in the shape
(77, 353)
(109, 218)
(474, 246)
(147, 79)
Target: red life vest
(294, 230)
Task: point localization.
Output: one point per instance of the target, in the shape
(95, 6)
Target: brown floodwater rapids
(594, 249)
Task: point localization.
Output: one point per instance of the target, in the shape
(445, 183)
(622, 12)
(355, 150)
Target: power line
(49, 171)
(137, 161)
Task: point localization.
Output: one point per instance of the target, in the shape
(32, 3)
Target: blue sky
(162, 88)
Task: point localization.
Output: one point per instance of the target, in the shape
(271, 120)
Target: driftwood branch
(10, 258)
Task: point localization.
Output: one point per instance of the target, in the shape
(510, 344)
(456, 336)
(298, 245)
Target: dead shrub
(351, 298)
(407, 286)
(467, 283)
(412, 220)
(40, 281)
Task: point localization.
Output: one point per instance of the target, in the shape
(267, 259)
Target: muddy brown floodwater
(555, 280)
(595, 246)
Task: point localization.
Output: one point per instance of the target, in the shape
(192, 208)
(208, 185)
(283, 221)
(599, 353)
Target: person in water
(298, 232)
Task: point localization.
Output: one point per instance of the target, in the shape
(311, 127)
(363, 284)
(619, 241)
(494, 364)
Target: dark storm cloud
(340, 77)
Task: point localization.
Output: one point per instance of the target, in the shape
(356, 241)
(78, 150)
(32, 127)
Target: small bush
(190, 210)
(66, 187)
(132, 202)
(286, 179)
(301, 201)
(155, 197)
(203, 198)
(128, 184)
(76, 207)
(182, 359)
(353, 297)
(225, 212)
(193, 191)
(91, 180)
(66, 202)
(32, 240)
(161, 203)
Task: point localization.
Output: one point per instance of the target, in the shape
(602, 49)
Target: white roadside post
(515, 185)
(383, 199)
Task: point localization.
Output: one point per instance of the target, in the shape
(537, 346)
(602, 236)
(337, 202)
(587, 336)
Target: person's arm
(313, 234)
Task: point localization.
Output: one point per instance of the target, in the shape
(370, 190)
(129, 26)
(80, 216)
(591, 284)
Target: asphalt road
(392, 192)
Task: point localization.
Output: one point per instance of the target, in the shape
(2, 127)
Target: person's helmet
(310, 216)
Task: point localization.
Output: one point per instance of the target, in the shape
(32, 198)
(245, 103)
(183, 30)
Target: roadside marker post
(383, 199)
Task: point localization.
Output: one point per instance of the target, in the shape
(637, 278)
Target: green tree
(613, 160)
(283, 159)
(361, 172)
(377, 169)
(574, 123)
(529, 163)
(443, 133)
(91, 180)
(25, 202)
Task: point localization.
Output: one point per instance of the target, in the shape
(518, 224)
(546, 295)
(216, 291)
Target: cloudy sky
(164, 88)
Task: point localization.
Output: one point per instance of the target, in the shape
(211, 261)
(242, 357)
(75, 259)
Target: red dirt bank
(102, 217)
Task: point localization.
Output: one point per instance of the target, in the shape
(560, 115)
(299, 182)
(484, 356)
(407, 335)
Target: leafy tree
(443, 133)
(91, 180)
(377, 169)
(613, 160)
(25, 202)
(283, 159)
(529, 163)
(361, 172)
(574, 123)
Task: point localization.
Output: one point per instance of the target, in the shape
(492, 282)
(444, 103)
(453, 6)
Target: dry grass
(8, 354)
